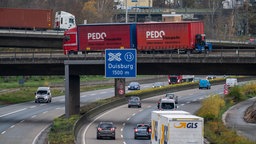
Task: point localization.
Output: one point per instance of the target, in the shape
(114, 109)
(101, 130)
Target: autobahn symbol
(120, 63)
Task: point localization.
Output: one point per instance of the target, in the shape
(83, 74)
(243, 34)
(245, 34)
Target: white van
(167, 104)
(43, 94)
(231, 82)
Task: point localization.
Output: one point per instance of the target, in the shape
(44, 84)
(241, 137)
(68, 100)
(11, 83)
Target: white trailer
(177, 129)
(155, 122)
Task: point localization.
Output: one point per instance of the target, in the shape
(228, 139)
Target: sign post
(120, 64)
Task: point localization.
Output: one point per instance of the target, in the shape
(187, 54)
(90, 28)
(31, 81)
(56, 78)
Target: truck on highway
(157, 37)
(176, 128)
(35, 19)
(231, 82)
(174, 79)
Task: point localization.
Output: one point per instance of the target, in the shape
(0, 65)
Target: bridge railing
(58, 56)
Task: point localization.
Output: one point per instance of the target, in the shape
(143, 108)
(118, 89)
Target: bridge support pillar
(72, 93)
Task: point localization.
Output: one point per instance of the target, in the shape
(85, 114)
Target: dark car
(134, 101)
(106, 129)
(134, 86)
(142, 131)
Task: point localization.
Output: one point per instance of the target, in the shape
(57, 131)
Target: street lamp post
(126, 11)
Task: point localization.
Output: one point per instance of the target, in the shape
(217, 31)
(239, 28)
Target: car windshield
(134, 83)
(41, 92)
(106, 126)
(134, 99)
(170, 96)
(167, 105)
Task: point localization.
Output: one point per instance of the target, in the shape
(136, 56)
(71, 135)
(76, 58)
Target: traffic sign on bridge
(120, 63)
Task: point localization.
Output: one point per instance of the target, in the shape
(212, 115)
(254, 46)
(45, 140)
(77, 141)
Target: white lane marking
(22, 121)
(140, 110)
(87, 127)
(182, 104)
(128, 119)
(45, 112)
(35, 139)
(201, 98)
(133, 114)
(13, 112)
(93, 94)
(188, 102)
(124, 142)
(32, 107)
(121, 129)
(123, 124)
(33, 116)
(3, 132)
(122, 136)
(12, 126)
(42, 104)
(194, 100)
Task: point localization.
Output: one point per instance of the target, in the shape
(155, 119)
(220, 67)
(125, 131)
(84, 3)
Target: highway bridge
(227, 58)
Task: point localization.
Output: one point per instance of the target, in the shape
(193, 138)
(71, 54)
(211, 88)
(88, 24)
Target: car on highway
(172, 96)
(106, 129)
(166, 104)
(157, 85)
(134, 86)
(204, 83)
(134, 101)
(168, 96)
(43, 94)
(211, 77)
(142, 131)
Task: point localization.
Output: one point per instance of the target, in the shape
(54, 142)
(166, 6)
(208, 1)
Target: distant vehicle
(106, 129)
(134, 86)
(167, 104)
(35, 19)
(158, 84)
(231, 82)
(43, 94)
(252, 41)
(172, 96)
(174, 79)
(142, 131)
(210, 77)
(204, 83)
(134, 102)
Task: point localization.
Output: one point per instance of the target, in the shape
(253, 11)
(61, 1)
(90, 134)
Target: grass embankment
(212, 110)
(22, 89)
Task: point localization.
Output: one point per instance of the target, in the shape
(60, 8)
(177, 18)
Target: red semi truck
(174, 79)
(19, 18)
(98, 37)
(145, 37)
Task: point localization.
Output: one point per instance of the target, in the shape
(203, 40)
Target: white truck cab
(231, 82)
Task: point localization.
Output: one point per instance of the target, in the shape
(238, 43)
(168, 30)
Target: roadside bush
(249, 89)
(236, 94)
(62, 130)
(211, 107)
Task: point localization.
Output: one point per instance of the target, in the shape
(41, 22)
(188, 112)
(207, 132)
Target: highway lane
(22, 123)
(126, 118)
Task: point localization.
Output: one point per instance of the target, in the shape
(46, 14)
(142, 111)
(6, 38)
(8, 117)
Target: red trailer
(98, 37)
(168, 36)
(26, 18)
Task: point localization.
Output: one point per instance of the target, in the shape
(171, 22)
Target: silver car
(134, 101)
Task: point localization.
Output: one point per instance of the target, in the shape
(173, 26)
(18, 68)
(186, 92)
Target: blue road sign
(120, 63)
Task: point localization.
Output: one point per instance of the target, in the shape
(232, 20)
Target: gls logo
(186, 125)
(96, 36)
(155, 34)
